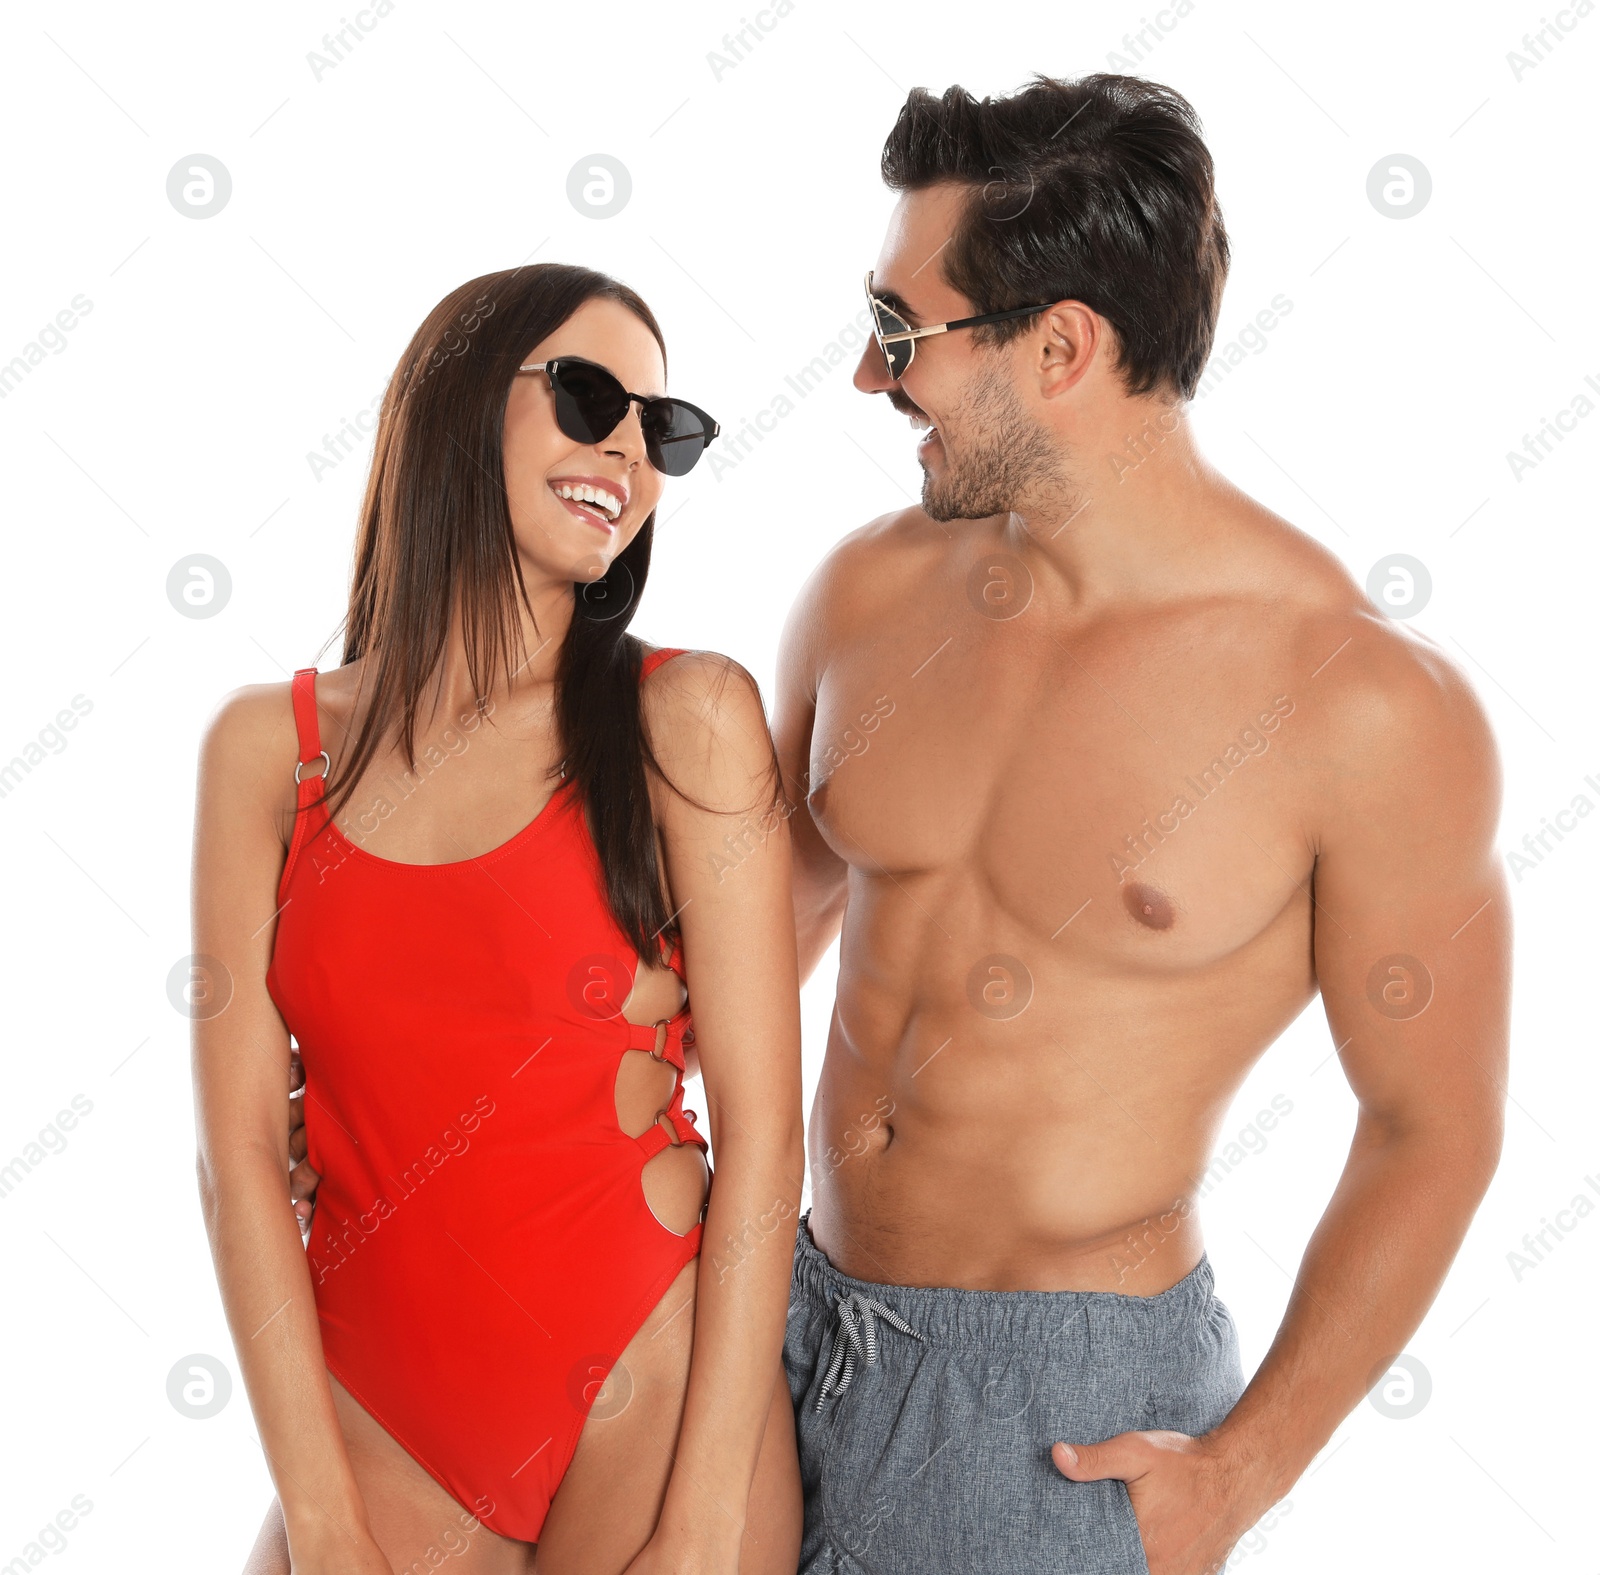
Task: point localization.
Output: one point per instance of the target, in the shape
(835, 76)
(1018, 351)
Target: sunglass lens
(675, 435)
(897, 356)
(589, 401)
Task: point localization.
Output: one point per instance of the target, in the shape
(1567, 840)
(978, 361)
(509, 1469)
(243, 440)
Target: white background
(179, 415)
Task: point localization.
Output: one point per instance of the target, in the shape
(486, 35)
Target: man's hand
(302, 1178)
(1185, 1495)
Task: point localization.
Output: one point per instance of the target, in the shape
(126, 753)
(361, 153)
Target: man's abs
(1000, 1111)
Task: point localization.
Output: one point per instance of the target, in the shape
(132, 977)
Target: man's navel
(1150, 907)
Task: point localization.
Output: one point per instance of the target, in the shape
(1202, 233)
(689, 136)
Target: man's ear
(1068, 337)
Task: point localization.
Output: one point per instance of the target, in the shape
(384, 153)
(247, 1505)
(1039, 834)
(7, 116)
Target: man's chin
(940, 506)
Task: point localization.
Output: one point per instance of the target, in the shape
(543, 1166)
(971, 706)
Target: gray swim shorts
(926, 1416)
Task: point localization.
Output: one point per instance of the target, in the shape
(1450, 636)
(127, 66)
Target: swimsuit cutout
(481, 1250)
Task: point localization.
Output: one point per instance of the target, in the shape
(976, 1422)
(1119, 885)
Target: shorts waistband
(955, 1315)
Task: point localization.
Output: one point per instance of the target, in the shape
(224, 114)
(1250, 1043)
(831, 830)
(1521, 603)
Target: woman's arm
(241, 1069)
(729, 875)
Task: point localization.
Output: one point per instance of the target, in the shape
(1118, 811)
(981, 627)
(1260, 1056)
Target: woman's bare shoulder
(707, 724)
(700, 694)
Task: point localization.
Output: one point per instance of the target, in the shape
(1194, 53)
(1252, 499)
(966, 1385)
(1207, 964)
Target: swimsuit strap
(304, 692)
(653, 659)
(310, 771)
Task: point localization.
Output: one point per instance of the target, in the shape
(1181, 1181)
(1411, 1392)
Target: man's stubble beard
(1005, 458)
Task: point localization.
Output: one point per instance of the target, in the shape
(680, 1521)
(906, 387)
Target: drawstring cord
(856, 1334)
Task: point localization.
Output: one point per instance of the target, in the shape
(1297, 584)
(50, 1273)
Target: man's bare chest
(1148, 810)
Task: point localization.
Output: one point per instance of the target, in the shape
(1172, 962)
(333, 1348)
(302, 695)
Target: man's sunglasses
(591, 404)
(897, 339)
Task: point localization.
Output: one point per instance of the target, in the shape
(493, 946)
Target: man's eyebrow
(897, 303)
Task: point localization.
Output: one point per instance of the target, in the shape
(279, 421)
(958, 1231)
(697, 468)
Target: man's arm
(1412, 932)
(1412, 952)
(819, 872)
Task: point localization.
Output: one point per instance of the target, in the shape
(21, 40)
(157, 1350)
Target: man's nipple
(1149, 906)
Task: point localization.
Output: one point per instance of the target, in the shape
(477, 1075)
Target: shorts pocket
(1133, 1557)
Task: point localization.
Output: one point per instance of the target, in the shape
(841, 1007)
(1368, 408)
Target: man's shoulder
(1378, 682)
(1361, 663)
(1384, 703)
(873, 564)
(902, 537)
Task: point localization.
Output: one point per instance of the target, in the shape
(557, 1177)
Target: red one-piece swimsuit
(481, 1251)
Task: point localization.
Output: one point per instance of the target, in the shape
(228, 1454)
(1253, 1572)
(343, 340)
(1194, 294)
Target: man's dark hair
(1096, 190)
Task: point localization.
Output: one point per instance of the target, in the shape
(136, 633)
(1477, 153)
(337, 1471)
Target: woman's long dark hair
(436, 537)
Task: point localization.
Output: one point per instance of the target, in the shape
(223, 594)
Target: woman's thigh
(607, 1505)
(608, 1501)
(416, 1523)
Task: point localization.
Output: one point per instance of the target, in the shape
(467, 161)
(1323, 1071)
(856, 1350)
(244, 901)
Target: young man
(1106, 771)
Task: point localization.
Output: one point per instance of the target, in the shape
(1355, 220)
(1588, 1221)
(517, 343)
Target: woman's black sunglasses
(591, 404)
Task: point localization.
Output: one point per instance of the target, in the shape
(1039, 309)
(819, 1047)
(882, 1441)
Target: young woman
(473, 871)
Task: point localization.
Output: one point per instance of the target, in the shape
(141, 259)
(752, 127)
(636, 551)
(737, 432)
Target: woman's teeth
(605, 502)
